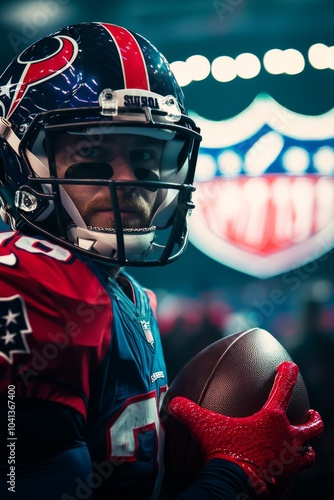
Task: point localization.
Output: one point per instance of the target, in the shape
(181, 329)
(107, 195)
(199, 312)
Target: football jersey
(73, 337)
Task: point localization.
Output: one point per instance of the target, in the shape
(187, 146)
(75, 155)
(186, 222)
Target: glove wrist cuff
(251, 470)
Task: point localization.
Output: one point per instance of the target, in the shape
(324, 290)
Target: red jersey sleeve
(153, 300)
(55, 321)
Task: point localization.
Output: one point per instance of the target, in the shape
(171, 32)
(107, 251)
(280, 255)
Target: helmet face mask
(52, 158)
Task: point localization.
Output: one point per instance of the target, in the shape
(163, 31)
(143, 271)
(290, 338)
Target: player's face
(116, 157)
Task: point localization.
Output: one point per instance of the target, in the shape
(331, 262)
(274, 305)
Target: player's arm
(54, 331)
(257, 445)
(220, 480)
(47, 450)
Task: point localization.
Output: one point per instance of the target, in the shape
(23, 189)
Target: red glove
(267, 447)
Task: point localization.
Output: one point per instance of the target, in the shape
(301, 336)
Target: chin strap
(7, 134)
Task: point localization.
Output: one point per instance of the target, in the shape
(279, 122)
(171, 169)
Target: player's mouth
(105, 216)
(126, 210)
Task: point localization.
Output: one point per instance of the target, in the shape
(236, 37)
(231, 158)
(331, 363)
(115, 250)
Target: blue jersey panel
(127, 391)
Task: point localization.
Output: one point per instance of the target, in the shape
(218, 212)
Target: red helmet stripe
(131, 57)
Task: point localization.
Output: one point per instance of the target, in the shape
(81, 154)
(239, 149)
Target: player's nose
(122, 170)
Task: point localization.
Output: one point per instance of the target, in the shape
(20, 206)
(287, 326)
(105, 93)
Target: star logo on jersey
(146, 326)
(14, 325)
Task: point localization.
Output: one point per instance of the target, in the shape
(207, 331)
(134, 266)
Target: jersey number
(139, 414)
(33, 245)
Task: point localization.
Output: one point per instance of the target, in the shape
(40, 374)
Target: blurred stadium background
(226, 54)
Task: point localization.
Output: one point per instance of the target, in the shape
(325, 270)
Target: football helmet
(93, 82)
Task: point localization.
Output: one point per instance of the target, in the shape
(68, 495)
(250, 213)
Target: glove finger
(194, 417)
(313, 428)
(184, 409)
(284, 383)
(307, 459)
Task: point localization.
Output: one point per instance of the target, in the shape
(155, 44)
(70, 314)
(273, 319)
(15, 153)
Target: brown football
(232, 376)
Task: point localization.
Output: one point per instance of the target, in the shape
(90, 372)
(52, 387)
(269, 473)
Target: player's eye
(88, 151)
(95, 171)
(141, 156)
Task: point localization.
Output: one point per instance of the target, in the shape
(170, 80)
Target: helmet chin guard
(136, 247)
(105, 82)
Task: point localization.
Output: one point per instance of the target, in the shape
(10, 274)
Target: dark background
(200, 299)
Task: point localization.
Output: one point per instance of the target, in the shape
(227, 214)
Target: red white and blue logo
(54, 55)
(35, 72)
(146, 328)
(265, 189)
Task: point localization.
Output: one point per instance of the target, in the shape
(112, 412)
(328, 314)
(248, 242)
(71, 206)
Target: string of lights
(247, 65)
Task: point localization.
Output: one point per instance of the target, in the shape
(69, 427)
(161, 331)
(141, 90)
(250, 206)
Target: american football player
(97, 163)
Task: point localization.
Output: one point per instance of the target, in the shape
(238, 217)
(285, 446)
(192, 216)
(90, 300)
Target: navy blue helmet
(93, 81)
